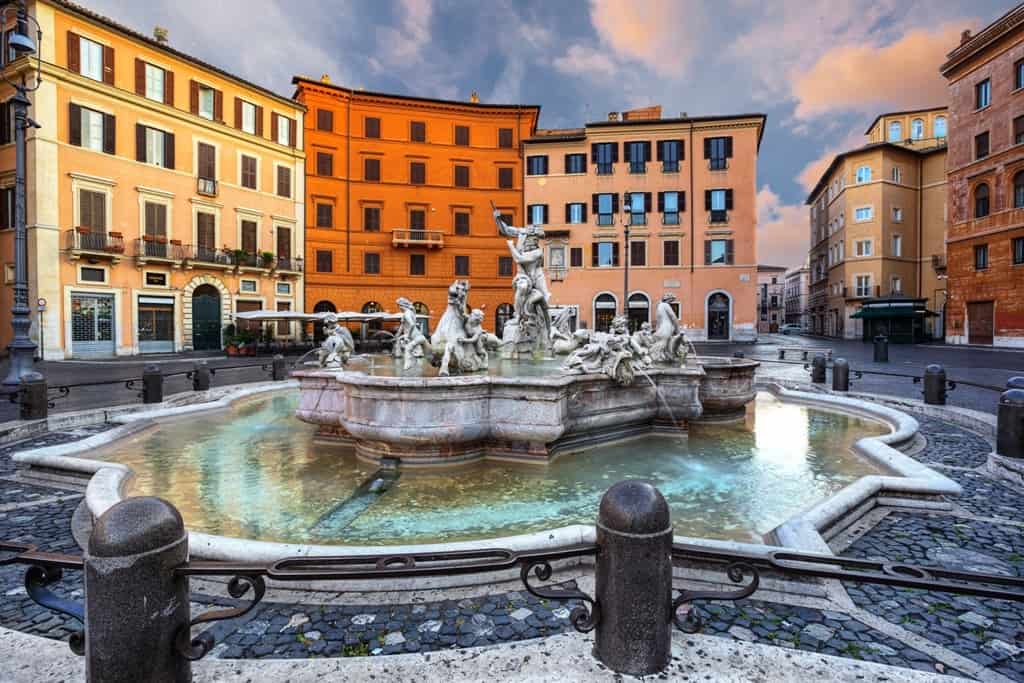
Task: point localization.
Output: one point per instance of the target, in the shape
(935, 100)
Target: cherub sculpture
(337, 345)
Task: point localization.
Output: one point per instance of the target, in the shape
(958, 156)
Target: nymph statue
(410, 341)
(669, 341)
(460, 343)
(337, 346)
(614, 353)
(529, 331)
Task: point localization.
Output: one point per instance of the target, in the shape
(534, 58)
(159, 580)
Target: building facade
(164, 194)
(877, 231)
(796, 297)
(686, 186)
(399, 199)
(771, 290)
(986, 186)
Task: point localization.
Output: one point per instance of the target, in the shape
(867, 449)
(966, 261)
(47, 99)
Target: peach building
(690, 185)
(164, 194)
(399, 193)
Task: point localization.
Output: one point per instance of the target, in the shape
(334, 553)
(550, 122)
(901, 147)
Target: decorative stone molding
(186, 305)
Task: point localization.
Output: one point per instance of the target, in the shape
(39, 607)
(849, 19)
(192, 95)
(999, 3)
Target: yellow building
(164, 194)
(878, 229)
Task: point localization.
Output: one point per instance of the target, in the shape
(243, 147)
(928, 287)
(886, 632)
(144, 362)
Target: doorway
(980, 322)
(206, 318)
(718, 317)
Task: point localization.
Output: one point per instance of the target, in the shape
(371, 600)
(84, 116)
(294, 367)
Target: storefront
(92, 325)
(898, 318)
(156, 324)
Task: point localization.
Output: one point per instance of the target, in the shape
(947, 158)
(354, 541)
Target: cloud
(782, 230)
(587, 62)
(810, 174)
(404, 43)
(871, 78)
(664, 35)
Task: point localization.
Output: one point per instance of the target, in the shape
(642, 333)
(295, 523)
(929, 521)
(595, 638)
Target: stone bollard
(1015, 383)
(279, 372)
(818, 367)
(935, 385)
(200, 376)
(32, 397)
(633, 579)
(134, 603)
(152, 384)
(840, 375)
(1010, 424)
(881, 349)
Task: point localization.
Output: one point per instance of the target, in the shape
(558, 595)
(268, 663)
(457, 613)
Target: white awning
(344, 316)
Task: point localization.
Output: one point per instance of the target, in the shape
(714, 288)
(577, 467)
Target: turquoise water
(253, 471)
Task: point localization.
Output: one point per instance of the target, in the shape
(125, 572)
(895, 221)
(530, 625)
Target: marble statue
(564, 340)
(529, 330)
(614, 353)
(669, 344)
(410, 341)
(460, 343)
(337, 346)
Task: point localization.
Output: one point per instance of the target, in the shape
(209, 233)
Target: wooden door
(980, 322)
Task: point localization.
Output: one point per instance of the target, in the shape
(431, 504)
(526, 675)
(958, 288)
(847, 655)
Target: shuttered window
(92, 210)
(462, 265)
(461, 223)
(249, 237)
(505, 138)
(576, 257)
(324, 164)
(417, 173)
(249, 172)
(91, 129)
(325, 120)
(371, 128)
(371, 170)
(718, 252)
(462, 136)
(324, 261)
(284, 243)
(417, 264)
(462, 176)
(284, 181)
(206, 237)
(371, 219)
(371, 263)
(417, 131)
(670, 253)
(156, 219)
(154, 146)
(207, 166)
(506, 178)
(324, 215)
(205, 101)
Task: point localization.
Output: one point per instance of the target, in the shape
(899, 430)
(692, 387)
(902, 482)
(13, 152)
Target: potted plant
(267, 258)
(82, 230)
(240, 256)
(230, 340)
(149, 238)
(176, 243)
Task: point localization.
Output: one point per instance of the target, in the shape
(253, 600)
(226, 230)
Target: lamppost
(627, 207)
(22, 348)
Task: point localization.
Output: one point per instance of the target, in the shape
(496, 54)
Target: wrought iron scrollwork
(37, 578)
(583, 619)
(196, 648)
(692, 622)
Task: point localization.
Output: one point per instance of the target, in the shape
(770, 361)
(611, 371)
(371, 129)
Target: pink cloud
(662, 34)
(580, 60)
(810, 174)
(782, 230)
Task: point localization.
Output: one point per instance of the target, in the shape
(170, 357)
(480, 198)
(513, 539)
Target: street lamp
(21, 349)
(628, 208)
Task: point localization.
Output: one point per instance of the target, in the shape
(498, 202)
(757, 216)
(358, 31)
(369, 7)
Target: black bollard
(134, 602)
(739, 354)
(935, 385)
(32, 397)
(1010, 424)
(881, 349)
(818, 368)
(152, 384)
(633, 579)
(840, 375)
(279, 373)
(200, 376)
(1015, 383)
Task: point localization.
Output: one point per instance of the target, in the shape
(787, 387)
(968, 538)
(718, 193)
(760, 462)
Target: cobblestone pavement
(928, 631)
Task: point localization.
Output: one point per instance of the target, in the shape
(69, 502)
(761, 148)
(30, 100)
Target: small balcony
(288, 266)
(150, 249)
(198, 256)
(206, 187)
(604, 168)
(557, 273)
(401, 237)
(94, 244)
(638, 167)
(939, 263)
(718, 217)
(718, 164)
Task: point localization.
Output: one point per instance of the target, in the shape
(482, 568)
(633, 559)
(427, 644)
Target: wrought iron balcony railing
(94, 242)
(289, 265)
(159, 249)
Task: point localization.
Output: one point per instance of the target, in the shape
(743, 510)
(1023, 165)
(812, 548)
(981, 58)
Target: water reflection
(254, 471)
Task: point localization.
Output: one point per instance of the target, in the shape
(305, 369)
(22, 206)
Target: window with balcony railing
(604, 155)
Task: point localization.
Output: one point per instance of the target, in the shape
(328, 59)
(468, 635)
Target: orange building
(398, 197)
(164, 194)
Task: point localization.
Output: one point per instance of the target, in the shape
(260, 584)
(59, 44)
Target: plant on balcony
(116, 235)
(176, 243)
(240, 256)
(82, 230)
(149, 238)
(267, 259)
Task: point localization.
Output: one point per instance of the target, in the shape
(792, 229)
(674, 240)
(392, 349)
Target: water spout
(664, 401)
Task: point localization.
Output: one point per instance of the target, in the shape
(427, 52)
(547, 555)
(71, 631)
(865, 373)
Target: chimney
(965, 36)
(613, 116)
(324, 78)
(160, 34)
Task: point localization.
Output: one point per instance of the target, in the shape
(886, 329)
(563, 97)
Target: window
(718, 252)
(205, 102)
(371, 170)
(371, 219)
(576, 257)
(417, 264)
(324, 261)
(897, 214)
(1018, 190)
(896, 285)
(575, 163)
(670, 152)
(248, 123)
(284, 327)
(284, 131)
(418, 220)
(637, 155)
(371, 263)
(87, 274)
(1018, 75)
(897, 174)
(575, 213)
(505, 266)
(325, 215)
(897, 245)
(638, 253)
(154, 82)
(1017, 247)
(371, 127)
(604, 155)
(156, 224)
(981, 201)
(417, 173)
(636, 204)
(983, 94)
(718, 203)
(862, 285)
(670, 204)
(538, 214)
(981, 257)
(718, 151)
(605, 254)
(284, 288)
(417, 131)
(537, 165)
(1018, 130)
(324, 164)
(505, 138)
(863, 174)
(605, 206)
(154, 146)
(461, 223)
(940, 126)
(156, 279)
(247, 286)
(895, 131)
(93, 131)
(92, 210)
(250, 236)
(917, 129)
(863, 213)
(90, 55)
(325, 120)
(462, 136)
(862, 248)
(462, 176)
(981, 145)
(462, 265)
(249, 172)
(556, 257)
(505, 180)
(284, 181)
(670, 253)
(206, 168)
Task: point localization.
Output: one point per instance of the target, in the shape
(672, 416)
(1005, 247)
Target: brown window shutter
(259, 121)
(75, 125)
(169, 88)
(292, 132)
(218, 106)
(74, 58)
(238, 113)
(273, 124)
(193, 97)
(140, 142)
(108, 65)
(168, 150)
(140, 77)
(109, 134)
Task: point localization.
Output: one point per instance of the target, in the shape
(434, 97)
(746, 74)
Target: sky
(821, 70)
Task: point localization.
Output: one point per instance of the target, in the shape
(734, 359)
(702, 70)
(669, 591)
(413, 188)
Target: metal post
(633, 579)
(1010, 424)
(840, 375)
(739, 354)
(32, 397)
(935, 385)
(625, 272)
(279, 372)
(881, 349)
(818, 368)
(134, 602)
(152, 384)
(200, 376)
(1015, 383)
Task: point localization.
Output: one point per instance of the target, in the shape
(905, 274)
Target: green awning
(885, 313)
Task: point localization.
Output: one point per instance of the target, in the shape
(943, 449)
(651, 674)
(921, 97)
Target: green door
(206, 318)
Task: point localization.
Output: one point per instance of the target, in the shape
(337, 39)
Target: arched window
(940, 126)
(604, 311)
(639, 311)
(1018, 190)
(324, 307)
(917, 129)
(373, 307)
(895, 131)
(981, 201)
(502, 315)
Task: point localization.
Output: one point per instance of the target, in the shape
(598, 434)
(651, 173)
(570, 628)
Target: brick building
(986, 185)
(771, 290)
